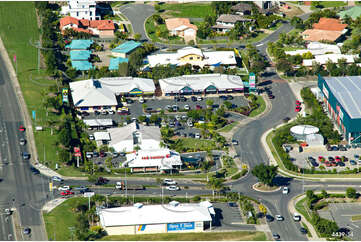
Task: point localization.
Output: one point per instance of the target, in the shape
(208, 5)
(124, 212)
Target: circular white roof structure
(304, 129)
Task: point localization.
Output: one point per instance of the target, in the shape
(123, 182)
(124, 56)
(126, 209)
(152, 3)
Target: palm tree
(216, 184)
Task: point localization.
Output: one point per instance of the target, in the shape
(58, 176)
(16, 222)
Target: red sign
(76, 150)
(155, 157)
(14, 58)
(77, 154)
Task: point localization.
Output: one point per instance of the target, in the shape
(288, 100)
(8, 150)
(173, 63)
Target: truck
(121, 186)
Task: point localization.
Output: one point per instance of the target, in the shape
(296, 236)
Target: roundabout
(259, 187)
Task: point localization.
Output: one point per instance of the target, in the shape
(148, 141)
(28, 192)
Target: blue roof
(127, 47)
(80, 54)
(82, 65)
(114, 62)
(79, 44)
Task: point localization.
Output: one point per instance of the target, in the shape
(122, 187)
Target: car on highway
(269, 218)
(64, 188)
(285, 190)
(279, 217)
(80, 188)
(296, 217)
(169, 182)
(276, 236)
(66, 193)
(56, 178)
(22, 141)
(84, 190)
(34, 170)
(172, 188)
(21, 128)
(26, 155)
(27, 231)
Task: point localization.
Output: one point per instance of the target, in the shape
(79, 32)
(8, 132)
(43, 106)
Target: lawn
(190, 10)
(330, 4)
(301, 208)
(151, 29)
(16, 38)
(61, 218)
(213, 236)
(259, 37)
(228, 127)
(191, 144)
(262, 106)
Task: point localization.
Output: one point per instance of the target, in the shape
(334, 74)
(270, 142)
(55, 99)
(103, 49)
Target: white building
(266, 4)
(316, 48)
(125, 139)
(81, 9)
(301, 131)
(203, 83)
(97, 94)
(323, 59)
(164, 218)
(226, 22)
(193, 56)
(314, 140)
(153, 160)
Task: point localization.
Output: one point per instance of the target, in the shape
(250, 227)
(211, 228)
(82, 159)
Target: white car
(64, 188)
(197, 136)
(141, 99)
(178, 117)
(169, 182)
(285, 190)
(279, 217)
(104, 112)
(199, 98)
(56, 178)
(172, 188)
(296, 217)
(91, 137)
(186, 107)
(111, 112)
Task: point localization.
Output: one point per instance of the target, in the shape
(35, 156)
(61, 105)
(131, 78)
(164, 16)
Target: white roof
(101, 136)
(304, 129)
(101, 92)
(164, 159)
(125, 138)
(316, 48)
(323, 59)
(98, 122)
(208, 58)
(314, 138)
(154, 214)
(200, 82)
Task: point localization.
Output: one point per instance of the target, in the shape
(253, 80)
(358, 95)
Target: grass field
(262, 106)
(214, 236)
(58, 221)
(187, 10)
(330, 4)
(16, 37)
(228, 127)
(198, 144)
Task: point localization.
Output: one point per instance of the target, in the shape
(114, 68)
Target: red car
(321, 158)
(297, 109)
(298, 103)
(327, 163)
(67, 193)
(198, 107)
(333, 163)
(21, 128)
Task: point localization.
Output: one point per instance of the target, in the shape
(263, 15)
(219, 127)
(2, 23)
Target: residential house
(316, 48)
(334, 58)
(182, 27)
(79, 44)
(82, 9)
(125, 49)
(226, 22)
(101, 94)
(80, 60)
(242, 8)
(353, 12)
(101, 28)
(263, 5)
(193, 56)
(329, 29)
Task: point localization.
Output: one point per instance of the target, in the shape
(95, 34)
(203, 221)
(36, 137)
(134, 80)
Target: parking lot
(342, 213)
(228, 216)
(300, 158)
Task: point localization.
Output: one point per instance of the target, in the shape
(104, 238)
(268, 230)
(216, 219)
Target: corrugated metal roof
(80, 44)
(126, 47)
(80, 54)
(82, 65)
(114, 63)
(347, 90)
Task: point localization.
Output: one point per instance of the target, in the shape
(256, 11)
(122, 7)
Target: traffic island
(260, 187)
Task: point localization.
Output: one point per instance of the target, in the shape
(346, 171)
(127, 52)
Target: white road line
(3, 225)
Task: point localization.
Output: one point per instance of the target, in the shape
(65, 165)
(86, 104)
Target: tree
(64, 155)
(123, 69)
(158, 19)
(265, 174)
(351, 193)
(284, 65)
(137, 36)
(65, 134)
(209, 103)
(216, 184)
(316, 4)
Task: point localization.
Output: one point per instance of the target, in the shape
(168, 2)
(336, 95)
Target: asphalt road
(18, 182)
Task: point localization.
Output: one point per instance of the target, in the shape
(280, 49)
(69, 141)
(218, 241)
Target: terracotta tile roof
(330, 24)
(173, 23)
(318, 35)
(85, 22)
(68, 20)
(102, 24)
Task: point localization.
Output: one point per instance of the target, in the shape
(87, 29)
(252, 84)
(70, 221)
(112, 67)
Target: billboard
(65, 95)
(150, 228)
(180, 226)
(252, 81)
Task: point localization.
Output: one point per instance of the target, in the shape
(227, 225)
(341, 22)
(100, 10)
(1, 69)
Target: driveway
(137, 14)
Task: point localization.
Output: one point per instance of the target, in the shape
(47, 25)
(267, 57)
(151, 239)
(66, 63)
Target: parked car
(101, 181)
(270, 96)
(223, 97)
(193, 98)
(330, 158)
(91, 137)
(235, 142)
(34, 170)
(198, 107)
(175, 108)
(80, 188)
(95, 154)
(183, 99)
(115, 154)
(186, 107)
(229, 97)
(269, 218)
(279, 217)
(56, 178)
(104, 112)
(27, 231)
(102, 153)
(298, 109)
(84, 113)
(285, 190)
(22, 141)
(141, 100)
(197, 136)
(89, 155)
(352, 162)
(172, 188)
(334, 148)
(276, 236)
(296, 217)
(21, 128)
(298, 103)
(303, 230)
(199, 98)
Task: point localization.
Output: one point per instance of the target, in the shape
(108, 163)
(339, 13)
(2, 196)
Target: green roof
(127, 47)
(80, 54)
(80, 44)
(114, 63)
(353, 12)
(82, 65)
